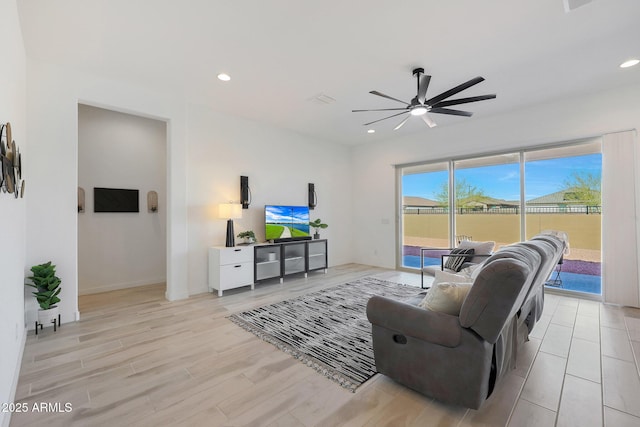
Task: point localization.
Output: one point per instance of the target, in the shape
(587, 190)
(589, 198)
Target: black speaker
(313, 197)
(245, 192)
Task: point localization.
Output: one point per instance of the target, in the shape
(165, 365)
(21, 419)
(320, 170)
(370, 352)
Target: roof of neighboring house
(474, 201)
(419, 201)
(562, 197)
(490, 202)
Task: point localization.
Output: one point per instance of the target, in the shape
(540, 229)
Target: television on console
(286, 223)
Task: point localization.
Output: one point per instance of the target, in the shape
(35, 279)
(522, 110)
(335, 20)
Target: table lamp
(230, 211)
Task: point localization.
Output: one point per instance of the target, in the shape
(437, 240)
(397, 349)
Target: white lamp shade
(230, 210)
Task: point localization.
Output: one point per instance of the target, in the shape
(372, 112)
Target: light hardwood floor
(137, 359)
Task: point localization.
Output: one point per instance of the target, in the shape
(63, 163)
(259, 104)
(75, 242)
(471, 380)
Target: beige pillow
(480, 248)
(446, 276)
(446, 297)
(472, 271)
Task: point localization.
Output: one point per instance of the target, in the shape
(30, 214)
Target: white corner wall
(563, 120)
(121, 250)
(206, 150)
(279, 164)
(12, 211)
(53, 95)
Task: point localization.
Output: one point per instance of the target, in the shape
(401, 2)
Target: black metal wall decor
(10, 163)
(245, 192)
(313, 197)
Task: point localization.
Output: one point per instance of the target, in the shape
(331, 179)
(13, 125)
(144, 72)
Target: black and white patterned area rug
(327, 330)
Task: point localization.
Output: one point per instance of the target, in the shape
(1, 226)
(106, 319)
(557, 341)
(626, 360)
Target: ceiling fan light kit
(420, 106)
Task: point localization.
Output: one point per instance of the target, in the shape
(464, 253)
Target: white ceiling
(282, 53)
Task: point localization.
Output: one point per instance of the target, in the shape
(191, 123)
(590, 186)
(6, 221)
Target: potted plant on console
(317, 225)
(47, 286)
(248, 236)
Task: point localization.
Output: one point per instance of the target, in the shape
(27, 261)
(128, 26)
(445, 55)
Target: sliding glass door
(563, 192)
(508, 198)
(487, 200)
(425, 210)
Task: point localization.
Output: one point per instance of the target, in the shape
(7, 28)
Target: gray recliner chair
(456, 359)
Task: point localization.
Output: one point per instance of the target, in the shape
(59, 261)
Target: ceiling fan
(419, 106)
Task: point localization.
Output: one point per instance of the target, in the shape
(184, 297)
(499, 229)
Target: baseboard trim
(6, 420)
(118, 286)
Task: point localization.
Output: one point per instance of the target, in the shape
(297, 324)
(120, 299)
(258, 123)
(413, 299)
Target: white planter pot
(46, 316)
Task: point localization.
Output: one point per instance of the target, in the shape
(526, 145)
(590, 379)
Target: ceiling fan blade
(450, 111)
(463, 100)
(381, 109)
(454, 90)
(422, 88)
(379, 120)
(402, 122)
(375, 92)
(428, 120)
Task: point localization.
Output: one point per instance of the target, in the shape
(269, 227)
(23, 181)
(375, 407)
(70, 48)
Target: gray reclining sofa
(460, 359)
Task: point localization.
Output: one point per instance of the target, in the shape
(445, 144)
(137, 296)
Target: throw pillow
(481, 248)
(446, 297)
(455, 262)
(445, 276)
(472, 271)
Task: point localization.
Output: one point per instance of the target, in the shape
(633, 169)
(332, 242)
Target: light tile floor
(586, 371)
(137, 359)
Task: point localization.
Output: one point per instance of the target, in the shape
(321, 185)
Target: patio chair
(448, 257)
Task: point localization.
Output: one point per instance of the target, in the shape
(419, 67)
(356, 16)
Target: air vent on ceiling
(321, 98)
(570, 5)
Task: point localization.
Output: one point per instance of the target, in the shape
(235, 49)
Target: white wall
(12, 211)
(53, 94)
(279, 164)
(220, 149)
(119, 250)
(563, 120)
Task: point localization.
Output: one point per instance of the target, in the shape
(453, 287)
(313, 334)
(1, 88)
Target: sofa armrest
(419, 323)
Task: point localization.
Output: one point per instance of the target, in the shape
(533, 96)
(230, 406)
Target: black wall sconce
(313, 197)
(245, 192)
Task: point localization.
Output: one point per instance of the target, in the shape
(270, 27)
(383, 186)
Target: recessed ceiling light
(371, 131)
(224, 77)
(630, 63)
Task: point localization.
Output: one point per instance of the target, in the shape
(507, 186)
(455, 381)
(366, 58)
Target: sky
(503, 181)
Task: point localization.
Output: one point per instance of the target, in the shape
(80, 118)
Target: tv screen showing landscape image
(286, 222)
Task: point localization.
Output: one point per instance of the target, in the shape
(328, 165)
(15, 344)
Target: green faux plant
(47, 284)
(317, 224)
(249, 234)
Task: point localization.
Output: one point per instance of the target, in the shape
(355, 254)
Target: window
(563, 192)
(488, 199)
(425, 211)
(483, 198)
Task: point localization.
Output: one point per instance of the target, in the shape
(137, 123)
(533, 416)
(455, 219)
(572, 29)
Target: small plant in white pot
(47, 286)
(248, 236)
(317, 225)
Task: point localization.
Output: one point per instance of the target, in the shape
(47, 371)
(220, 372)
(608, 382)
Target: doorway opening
(122, 201)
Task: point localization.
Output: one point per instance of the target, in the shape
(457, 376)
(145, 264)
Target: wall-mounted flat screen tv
(285, 223)
(115, 200)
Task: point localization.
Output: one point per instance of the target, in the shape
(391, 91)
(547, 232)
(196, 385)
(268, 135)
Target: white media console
(239, 266)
